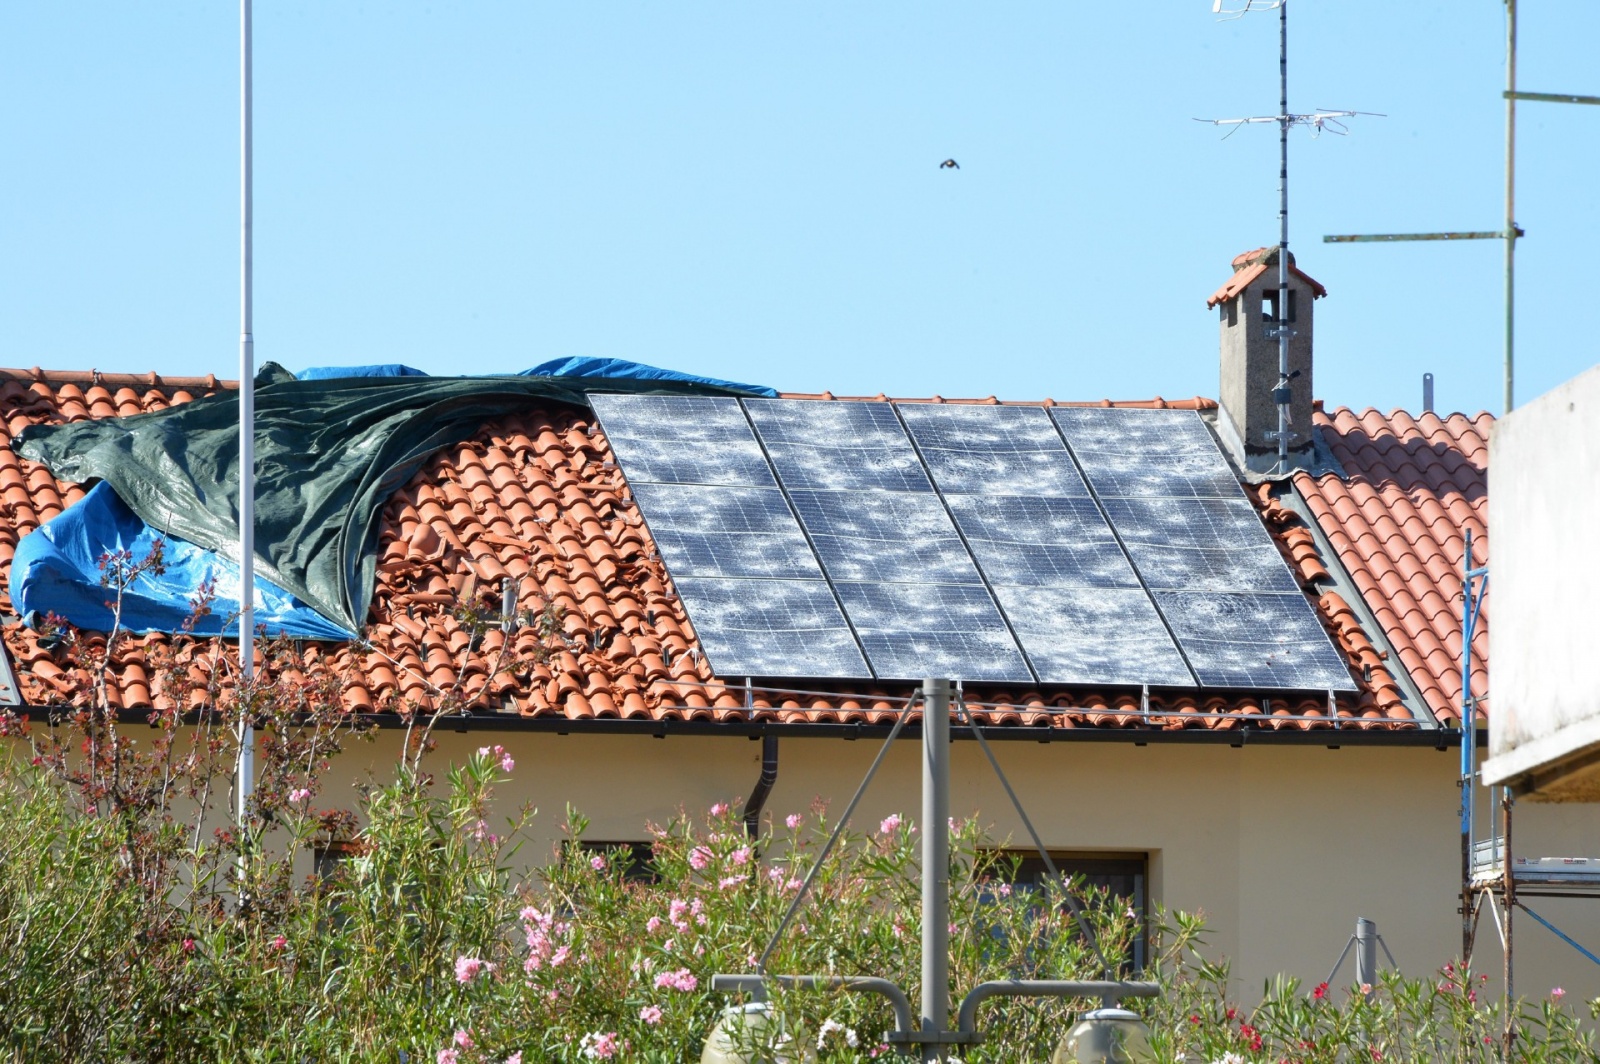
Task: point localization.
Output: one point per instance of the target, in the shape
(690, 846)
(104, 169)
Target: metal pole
(1283, 236)
(245, 783)
(935, 862)
(1366, 952)
(1469, 735)
(1511, 189)
(1510, 887)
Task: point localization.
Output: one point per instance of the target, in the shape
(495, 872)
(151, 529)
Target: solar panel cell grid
(885, 537)
(707, 531)
(997, 450)
(837, 446)
(1041, 542)
(776, 628)
(1265, 642)
(916, 630)
(1093, 635)
(672, 439)
(1200, 544)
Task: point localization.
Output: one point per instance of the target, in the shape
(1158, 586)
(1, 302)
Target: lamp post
(1107, 1035)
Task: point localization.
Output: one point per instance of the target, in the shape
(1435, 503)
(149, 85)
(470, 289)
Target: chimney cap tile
(1252, 264)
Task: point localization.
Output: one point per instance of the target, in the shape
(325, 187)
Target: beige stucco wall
(1281, 847)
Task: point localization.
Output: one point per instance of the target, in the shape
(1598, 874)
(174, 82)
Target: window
(1122, 875)
(640, 858)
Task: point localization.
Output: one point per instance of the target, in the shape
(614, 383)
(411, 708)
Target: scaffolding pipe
(935, 863)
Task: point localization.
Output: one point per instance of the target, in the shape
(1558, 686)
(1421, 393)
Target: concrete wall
(1281, 847)
(1544, 721)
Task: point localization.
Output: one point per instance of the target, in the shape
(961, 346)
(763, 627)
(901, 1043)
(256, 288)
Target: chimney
(1250, 313)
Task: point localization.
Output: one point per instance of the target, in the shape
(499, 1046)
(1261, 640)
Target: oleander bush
(143, 917)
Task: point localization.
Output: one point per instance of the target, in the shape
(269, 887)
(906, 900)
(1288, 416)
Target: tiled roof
(1253, 264)
(538, 498)
(1398, 522)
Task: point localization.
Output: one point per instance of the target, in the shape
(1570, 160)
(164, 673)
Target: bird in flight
(949, 164)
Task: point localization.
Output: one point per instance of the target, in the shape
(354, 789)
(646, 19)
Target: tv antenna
(1511, 231)
(1280, 327)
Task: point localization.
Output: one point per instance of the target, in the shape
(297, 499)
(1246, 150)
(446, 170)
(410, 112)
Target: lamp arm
(1107, 990)
(867, 984)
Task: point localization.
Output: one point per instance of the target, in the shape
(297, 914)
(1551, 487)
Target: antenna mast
(1281, 327)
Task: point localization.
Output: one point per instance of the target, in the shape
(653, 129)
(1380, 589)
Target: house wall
(1281, 847)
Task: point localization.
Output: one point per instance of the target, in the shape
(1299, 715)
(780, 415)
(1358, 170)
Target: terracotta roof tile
(1398, 522)
(537, 498)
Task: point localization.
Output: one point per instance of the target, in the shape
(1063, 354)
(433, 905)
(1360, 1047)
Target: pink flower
(597, 1046)
(890, 824)
(651, 1014)
(299, 795)
(463, 1039)
(597, 863)
(682, 979)
(515, 1058)
(740, 856)
(506, 763)
(720, 809)
(699, 857)
(559, 957)
(188, 945)
(1556, 994)
(467, 968)
(653, 924)
(793, 820)
(729, 882)
(483, 751)
(279, 942)
(448, 1056)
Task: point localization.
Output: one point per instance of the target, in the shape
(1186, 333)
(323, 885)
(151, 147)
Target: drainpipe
(763, 790)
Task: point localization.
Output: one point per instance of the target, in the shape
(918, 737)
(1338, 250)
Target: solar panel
(885, 537)
(1130, 452)
(680, 439)
(706, 531)
(916, 630)
(1200, 544)
(1041, 542)
(1254, 641)
(837, 446)
(1093, 635)
(993, 450)
(777, 628)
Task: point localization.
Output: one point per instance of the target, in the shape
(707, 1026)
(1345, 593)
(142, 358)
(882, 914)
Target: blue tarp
(622, 369)
(57, 570)
(333, 373)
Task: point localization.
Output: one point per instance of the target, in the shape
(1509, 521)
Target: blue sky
(751, 190)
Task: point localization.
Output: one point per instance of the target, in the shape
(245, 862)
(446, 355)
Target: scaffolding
(1492, 877)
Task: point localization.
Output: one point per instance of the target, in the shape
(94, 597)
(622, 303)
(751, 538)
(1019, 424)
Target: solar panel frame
(834, 445)
(913, 630)
(680, 439)
(1289, 648)
(726, 531)
(772, 628)
(993, 450)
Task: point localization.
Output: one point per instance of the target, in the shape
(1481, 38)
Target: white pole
(247, 423)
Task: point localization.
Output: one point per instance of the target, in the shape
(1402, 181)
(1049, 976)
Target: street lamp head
(1106, 1036)
(748, 1034)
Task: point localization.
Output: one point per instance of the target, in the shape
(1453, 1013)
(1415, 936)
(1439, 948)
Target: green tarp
(329, 453)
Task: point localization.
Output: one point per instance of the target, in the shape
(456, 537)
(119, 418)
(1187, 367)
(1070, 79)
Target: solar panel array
(870, 540)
